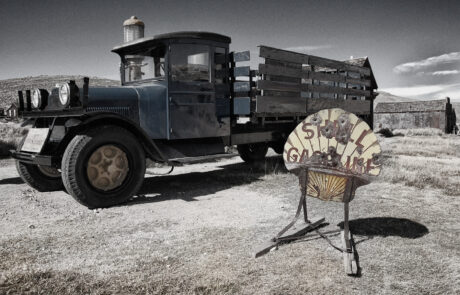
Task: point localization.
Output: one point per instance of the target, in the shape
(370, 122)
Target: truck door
(192, 94)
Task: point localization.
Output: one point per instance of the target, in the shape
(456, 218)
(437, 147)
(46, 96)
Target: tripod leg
(346, 227)
(304, 188)
(349, 261)
(305, 215)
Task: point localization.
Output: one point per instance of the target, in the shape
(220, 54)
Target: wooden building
(415, 114)
(12, 111)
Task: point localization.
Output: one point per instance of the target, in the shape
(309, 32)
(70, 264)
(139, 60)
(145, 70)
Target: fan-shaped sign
(333, 145)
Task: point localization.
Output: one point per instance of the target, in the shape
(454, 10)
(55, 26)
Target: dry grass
(194, 232)
(419, 132)
(424, 161)
(10, 136)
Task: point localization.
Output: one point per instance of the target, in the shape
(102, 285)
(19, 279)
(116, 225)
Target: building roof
(412, 106)
(151, 41)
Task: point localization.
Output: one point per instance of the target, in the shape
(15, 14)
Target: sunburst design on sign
(326, 187)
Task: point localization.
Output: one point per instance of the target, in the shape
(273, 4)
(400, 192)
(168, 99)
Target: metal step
(201, 159)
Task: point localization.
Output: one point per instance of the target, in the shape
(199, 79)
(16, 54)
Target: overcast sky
(413, 46)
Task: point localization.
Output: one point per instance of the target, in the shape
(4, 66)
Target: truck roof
(151, 41)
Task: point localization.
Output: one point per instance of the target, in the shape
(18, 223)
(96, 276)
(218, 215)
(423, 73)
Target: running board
(201, 159)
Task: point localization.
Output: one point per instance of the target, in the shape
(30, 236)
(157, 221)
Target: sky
(413, 46)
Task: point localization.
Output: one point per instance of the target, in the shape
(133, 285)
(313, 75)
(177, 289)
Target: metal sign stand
(294, 232)
(333, 152)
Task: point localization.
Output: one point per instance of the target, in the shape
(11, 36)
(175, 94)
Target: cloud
(439, 73)
(445, 73)
(416, 66)
(427, 91)
(306, 49)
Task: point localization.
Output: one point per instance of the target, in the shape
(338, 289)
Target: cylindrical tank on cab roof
(133, 28)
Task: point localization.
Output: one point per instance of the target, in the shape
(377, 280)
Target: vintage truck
(181, 97)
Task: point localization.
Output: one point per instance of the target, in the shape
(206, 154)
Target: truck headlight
(64, 94)
(39, 98)
(36, 98)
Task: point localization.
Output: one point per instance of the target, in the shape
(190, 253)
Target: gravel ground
(195, 232)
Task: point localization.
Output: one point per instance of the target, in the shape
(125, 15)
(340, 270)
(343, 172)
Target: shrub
(386, 132)
(10, 136)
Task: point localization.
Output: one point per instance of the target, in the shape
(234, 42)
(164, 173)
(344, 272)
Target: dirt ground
(195, 232)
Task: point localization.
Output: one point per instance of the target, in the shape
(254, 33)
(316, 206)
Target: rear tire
(104, 167)
(278, 147)
(252, 152)
(40, 178)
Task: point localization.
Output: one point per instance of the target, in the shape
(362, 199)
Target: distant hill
(9, 88)
(388, 97)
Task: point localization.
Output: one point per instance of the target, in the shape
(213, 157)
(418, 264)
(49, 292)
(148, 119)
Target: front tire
(41, 178)
(252, 152)
(104, 167)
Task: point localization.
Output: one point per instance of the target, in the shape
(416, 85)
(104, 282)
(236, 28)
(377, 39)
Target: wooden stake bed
(333, 152)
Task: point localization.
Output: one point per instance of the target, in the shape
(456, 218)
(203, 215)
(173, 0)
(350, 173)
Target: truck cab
(196, 100)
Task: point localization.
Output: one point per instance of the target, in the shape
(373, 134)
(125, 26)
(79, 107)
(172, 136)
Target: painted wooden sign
(335, 146)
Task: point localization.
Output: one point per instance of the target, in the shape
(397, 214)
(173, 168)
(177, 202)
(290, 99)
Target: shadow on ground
(188, 186)
(387, 226)
(12, 180)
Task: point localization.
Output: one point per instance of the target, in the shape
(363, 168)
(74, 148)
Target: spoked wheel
(103, 167)
(51, 172)
(41, 178)
(253, 152)
(107, 167)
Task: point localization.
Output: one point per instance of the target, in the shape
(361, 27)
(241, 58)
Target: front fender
(93, 120)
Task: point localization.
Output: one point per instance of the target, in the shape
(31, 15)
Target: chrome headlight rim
(36, 99)
(64, 94)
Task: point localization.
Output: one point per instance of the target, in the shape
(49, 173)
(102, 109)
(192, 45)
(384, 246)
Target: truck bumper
(35, 159)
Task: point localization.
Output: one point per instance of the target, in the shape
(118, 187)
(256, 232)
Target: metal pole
(346, 228)
(304, 192)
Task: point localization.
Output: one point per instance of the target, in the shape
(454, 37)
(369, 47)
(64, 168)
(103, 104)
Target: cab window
(190, 63)
(145, 65)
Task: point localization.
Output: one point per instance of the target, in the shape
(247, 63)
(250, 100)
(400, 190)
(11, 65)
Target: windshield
(145, 65)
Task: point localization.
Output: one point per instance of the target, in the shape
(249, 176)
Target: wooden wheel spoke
(107, 167)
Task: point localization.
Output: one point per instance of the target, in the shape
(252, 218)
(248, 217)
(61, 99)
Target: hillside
(388, 97)
(9, 88)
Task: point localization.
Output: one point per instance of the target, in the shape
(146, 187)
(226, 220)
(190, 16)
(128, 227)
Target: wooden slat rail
(301, 105)
(294, 87)
(241, 71)
(242, 86)
(266, 69)
(287, 76)
(240, 56)
(294, 57)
